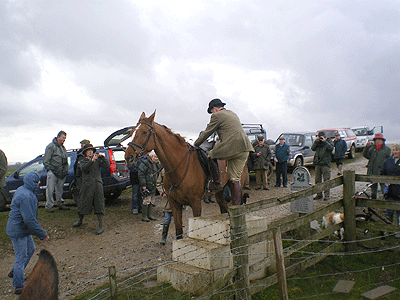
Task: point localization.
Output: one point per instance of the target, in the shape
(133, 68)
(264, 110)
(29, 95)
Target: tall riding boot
(215, 183)
(149, 207)
(145, 208)
(164, 234)
(100, 228)
(79, 222)
(236, 193)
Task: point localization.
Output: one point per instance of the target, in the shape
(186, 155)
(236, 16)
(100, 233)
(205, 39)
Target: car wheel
(352, 153)
(3, 202)
(298, 162)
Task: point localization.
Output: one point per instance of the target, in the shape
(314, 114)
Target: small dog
(331, 219)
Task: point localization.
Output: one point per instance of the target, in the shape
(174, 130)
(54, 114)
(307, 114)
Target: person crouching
(92, 196)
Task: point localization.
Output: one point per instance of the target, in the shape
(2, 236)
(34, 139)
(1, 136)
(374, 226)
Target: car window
(308, 141)
(36, 166)
(119, 156)
(293, 139)
(252, 137)
(330, 134)
(350, 133)
(360, 131)
(343, 134)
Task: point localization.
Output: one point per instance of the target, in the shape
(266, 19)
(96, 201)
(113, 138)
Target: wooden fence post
(280, 264)
(113, 282)
(239, 249)
(349, 210)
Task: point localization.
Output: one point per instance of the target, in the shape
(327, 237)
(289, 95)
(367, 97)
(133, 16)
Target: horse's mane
(179, 138)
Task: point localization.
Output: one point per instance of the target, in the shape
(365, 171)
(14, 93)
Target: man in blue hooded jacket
(22, 224)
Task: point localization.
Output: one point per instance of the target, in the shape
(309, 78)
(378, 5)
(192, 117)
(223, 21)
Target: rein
(175, 185)
(143, 148)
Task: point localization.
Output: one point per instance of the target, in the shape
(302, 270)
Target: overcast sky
(92, 67)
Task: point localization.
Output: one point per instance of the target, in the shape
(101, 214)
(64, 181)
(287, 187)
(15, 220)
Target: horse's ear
(151, 118)
(142, 116)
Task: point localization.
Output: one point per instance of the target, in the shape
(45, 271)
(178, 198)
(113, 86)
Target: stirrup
(214, 187)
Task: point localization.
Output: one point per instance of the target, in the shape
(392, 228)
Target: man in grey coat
(233, 146)
(56, 163)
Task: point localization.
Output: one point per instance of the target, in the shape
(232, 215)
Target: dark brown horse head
(143, 140)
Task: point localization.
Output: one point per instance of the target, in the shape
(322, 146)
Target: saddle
(203, 160)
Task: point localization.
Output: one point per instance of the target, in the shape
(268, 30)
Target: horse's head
(143, 140)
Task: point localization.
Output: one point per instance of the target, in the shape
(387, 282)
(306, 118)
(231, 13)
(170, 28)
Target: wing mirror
(16, 175)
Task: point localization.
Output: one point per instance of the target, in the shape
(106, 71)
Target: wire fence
(211, 259)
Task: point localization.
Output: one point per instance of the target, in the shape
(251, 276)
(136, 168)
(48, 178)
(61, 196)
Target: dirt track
(127, 243)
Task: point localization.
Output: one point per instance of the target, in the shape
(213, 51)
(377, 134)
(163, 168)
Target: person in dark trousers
(282, 151)
(136, 204)
(340, 152)
(376, 153)
(78, 171)
(261, 158)
(233, 146)
(323, 148)
(92, 195)
(21, 225)
(148, 172)
(391, 167)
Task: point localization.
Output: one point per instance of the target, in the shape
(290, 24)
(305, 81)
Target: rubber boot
(144, 213)
(164, 234)
(149, 207)
(79, 222)
(215, 183)
(236, 193)
(100, 229)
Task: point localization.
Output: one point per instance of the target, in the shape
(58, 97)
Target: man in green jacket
(55, 161)
(322, 160)
(233, 146)
(376, 153)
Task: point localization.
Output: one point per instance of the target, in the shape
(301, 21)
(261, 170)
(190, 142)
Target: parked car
(347, 135)
(364, 134)
(300, 147)
(115, 178)
(253, 130)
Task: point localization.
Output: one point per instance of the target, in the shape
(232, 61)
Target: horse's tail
(43, 281)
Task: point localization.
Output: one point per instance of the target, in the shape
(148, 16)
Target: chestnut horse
(184, 179)
(42, 283)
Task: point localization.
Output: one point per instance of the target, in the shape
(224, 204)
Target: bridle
(142, 147)
(139, 155)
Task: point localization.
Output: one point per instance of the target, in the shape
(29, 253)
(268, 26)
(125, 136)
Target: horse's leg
(176, 209)
(223, 207)
(196, 207)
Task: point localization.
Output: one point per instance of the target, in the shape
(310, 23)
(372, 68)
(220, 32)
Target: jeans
(281, 169)
(23, 249)
(136, 198)
(167, 217)
(54, 186)
(374, 190)
(390, 213)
